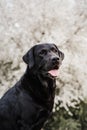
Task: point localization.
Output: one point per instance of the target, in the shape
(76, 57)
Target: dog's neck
(41, 87)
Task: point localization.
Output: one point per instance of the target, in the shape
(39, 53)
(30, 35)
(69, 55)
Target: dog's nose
(55, 60)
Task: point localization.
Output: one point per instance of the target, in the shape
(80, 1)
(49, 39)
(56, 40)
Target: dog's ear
(61, 55)
(28, 58)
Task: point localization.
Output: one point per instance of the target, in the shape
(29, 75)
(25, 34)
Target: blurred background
(24, 23)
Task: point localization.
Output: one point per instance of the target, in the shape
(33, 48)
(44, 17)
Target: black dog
(28, 104)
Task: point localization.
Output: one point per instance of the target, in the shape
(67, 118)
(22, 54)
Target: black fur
(28, 104)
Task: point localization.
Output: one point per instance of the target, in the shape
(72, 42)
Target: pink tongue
(53, 72)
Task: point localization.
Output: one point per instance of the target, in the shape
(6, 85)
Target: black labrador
(28, 104)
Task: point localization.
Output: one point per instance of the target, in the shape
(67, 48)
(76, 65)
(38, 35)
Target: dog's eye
(43, 52)
(54, 49)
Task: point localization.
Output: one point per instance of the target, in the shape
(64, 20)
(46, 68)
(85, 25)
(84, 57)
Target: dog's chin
(51, 77)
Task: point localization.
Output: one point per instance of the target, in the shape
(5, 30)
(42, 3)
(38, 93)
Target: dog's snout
(55, 60)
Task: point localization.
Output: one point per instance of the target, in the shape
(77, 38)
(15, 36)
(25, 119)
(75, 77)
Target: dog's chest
(33, 116)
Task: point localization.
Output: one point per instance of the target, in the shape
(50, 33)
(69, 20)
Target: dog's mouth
(54, 71)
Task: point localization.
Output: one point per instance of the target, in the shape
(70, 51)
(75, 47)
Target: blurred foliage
(75, 118)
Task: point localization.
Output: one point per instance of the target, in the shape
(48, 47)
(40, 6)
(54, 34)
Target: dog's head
(44, 58)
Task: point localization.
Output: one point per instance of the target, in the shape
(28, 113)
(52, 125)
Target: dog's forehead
(39, 47)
